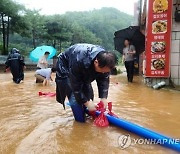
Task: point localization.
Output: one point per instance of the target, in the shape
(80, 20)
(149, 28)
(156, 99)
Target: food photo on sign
(160, 6)
(159, 27)
(158, 47)
(158, 64)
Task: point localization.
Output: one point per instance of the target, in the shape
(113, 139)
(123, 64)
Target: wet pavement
(32, 124)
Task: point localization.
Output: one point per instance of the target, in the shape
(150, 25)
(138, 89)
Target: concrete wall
(30, 66)
(175, 50)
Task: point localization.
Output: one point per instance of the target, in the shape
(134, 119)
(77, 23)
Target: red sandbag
(48, 94)
(110, 110)
(100, 106)
(101, 120)
(93, 114)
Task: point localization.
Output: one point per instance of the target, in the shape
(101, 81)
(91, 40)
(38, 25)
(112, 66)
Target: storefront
(161, 59)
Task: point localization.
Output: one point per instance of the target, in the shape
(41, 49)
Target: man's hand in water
(90, 105)
(46, 82)
(7, 69)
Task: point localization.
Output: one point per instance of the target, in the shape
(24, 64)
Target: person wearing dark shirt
(76, 68)
(15, 62)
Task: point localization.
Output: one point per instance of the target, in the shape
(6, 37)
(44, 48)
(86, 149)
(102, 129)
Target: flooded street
(30, 124)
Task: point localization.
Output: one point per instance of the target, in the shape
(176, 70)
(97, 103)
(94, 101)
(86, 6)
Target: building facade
(175, 47)
(174, 50)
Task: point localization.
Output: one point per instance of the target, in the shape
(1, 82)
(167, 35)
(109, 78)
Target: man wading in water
(15, 62)
(77, 67)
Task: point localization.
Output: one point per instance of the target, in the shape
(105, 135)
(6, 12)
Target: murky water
(30, 124)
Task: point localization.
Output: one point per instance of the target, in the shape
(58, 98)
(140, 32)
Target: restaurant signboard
(158, 38)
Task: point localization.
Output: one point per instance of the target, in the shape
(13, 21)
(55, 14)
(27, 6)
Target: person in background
(128, 59)
(43, 63)
(44, 75)
(15, 62)
(77, 67)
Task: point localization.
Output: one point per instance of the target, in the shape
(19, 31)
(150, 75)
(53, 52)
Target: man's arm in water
(75, 75)
(103, 86)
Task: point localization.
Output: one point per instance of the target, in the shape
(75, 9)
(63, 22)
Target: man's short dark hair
(53, 70)
(106, 59)
(47, 53)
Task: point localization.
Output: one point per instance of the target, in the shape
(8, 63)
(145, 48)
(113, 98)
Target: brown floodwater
(30, 124)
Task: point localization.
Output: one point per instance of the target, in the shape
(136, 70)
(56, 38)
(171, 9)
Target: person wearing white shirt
(44, 75)
(42, 63)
